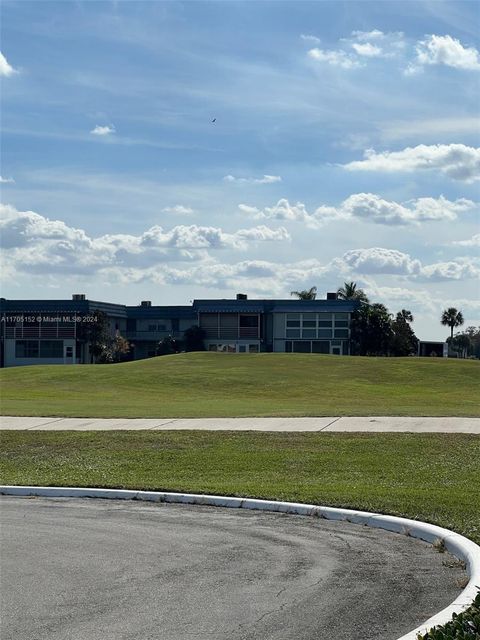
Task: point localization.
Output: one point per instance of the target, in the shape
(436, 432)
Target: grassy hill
(226, 385)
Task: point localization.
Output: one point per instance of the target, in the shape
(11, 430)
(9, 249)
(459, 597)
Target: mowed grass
(432, 477)
(236, 385)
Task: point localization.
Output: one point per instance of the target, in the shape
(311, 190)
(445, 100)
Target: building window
(175, 325)
(152, 327)
(300, 346)
(253, 348)
(320, 346)
(309, 333)
(341, 333)
(293, 323)
(249, 321)
(341, 323)
(242, 348)
(324, 333)
(26, 349)
(51, 349)
(293, 333)
(162, 327)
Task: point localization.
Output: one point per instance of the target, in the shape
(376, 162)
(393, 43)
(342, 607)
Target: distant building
(429, 348)
(53, 331)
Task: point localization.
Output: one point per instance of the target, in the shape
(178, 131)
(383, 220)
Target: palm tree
(452, 318)
(350, 292)
(306, 294)
(405, 315)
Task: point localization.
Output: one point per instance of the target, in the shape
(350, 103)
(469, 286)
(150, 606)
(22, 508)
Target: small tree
(461, 343)
(404, 341)
(114, 350)
(194, 337)
(371, 330)
(167, 346)
(306, 294)
(452, 318)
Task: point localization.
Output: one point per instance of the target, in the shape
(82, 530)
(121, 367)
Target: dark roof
(275, 306)
(60, 306)
(312, 306)
(161, 312)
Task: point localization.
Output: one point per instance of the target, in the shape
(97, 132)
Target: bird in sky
(214, 120)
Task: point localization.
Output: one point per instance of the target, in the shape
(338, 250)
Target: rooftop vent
(241, 296)
(78, 296)
(332, 295)
(146, 303)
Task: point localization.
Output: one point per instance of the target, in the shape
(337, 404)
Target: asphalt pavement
(390, 424)
(79, 569)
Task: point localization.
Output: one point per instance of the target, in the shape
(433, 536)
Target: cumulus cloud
(474, 241)
(266, 179)
(34, 243)
(379, 260)
(6, 180)
(366, 206)
(178, 209)
(367, 49)
(6, 69)
(335, 58)
(457, 161)
(444, 50)
(99, 130)
(452, 270)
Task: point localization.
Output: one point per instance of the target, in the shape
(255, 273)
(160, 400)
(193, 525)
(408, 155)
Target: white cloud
(310, 38)
(474, 241)
(368, 35)
(6, 180)
(6, 69)
(178, 209)
(266, 179)
(335, 58)
(447, 51)
(99, 130)
(452, 270)
(457, 161)
(34, 243)
(379, 260)
(367, 49)
(366, 206)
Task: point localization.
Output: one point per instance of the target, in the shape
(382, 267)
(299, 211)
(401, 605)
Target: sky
(168, 151)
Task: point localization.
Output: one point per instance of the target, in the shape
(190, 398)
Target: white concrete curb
(458, 545)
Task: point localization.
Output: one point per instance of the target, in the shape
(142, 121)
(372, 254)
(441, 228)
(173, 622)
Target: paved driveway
(111, 570)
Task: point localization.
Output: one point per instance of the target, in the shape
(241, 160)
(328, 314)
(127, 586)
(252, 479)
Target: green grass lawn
(236, 385)
(432, 477)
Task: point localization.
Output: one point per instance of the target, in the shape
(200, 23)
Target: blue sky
(345, 147)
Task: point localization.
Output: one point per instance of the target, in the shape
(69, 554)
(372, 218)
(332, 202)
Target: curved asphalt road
(76, 569)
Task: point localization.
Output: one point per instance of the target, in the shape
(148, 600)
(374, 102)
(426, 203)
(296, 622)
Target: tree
(404, 342)
(349, 291)
(167, 346)
(194, 337)
(452, 318)
(97, 334)
(371, 330)
(461, 343)
(114, 350)
(306, 294)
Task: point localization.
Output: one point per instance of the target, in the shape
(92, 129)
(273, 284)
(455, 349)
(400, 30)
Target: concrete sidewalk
(331, 424)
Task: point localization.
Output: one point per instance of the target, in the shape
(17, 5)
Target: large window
(26, 348)
(51, 348)
(317, 325)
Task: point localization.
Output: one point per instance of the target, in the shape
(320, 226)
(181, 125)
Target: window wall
(314, 326)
